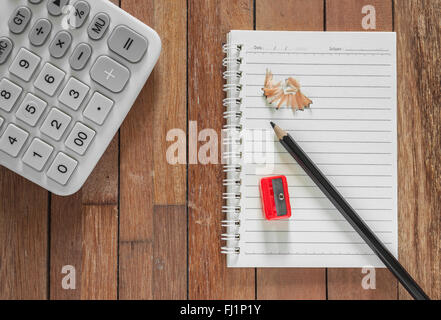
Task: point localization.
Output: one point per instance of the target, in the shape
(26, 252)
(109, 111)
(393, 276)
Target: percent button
(79, 14)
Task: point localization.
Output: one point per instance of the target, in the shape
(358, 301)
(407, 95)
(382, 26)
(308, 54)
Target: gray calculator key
(20, 20)
(60, 44)
(6, 47)
(99, 25)
(24, 64)
(40, 32)
(80, 56)
(9, 94)
(128, 44)
(62, 168)
(110, 74)
(79, 14)
(55, 7)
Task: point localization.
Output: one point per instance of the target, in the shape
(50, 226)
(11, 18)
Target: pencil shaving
(288, 93)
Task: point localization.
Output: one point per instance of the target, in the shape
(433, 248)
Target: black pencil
(349, 213)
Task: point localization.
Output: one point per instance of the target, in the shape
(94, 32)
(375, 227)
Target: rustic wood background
(142, 229)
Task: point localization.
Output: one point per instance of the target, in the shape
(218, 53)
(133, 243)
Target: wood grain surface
(209, 278)
(144, 229)
(418, 28)
(153, 193)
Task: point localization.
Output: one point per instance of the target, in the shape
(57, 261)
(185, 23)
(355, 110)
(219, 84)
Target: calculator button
(79, 14)
(9, 94)
(80, 56)
(13, 140)
(40, 32)
(110, 74)
(99, 25)
(49, 79)
(20, 20)
(128, 44)
(60, 44)
(98, 108)
(25, 64)
(31, 109)
(80, 138)
(54, 7)
(55, 124)
(62, 168)
(6, 47)
(74, 94)
(38, 154)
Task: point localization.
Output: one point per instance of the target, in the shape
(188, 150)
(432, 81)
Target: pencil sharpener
(275, 198)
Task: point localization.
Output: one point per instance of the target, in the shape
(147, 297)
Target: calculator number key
(49, 79)
(31, 109)
(98, 108)
(6, 47)
(25, 64)
(80, 138)
(128, 44)
(56, 124)
(13, 140)
(38, 154)
(9, 94)
(74, 94)
(20, 20)
(62, 168)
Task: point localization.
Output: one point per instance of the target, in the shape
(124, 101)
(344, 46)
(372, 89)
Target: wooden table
(143, 229)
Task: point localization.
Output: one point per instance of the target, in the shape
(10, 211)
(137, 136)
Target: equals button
(128, 44)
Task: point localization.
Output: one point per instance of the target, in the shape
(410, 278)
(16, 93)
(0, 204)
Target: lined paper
(350, 132)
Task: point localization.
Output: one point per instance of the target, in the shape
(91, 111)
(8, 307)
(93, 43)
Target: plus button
(109, 74)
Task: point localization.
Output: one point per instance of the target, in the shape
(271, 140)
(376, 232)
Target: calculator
(70, 72)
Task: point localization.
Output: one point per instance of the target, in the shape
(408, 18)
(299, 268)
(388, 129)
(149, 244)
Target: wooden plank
(75, 241)
(291, 284)
(84, 233)
(294, 15)
(162, 274)
(100, 249)
(146, 178)
(209, 22)
(419, 63)
(298, 15)
(346, 15)
(23, 238)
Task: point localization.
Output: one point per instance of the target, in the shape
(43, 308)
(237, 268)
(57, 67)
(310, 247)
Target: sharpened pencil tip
(273, 124)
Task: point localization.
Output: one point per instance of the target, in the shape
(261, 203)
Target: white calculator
(70, 71)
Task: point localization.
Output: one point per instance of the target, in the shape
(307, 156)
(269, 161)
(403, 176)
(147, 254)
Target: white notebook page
(350, 132)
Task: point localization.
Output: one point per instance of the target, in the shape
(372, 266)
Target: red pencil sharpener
(275, 198)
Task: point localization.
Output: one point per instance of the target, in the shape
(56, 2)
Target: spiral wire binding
(232, 145)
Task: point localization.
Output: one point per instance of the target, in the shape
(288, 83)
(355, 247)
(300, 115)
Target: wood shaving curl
(288, 93)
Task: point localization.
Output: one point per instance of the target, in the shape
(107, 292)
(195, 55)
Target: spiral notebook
(350, 132)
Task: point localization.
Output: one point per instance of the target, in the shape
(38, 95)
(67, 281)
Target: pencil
(349, 213)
